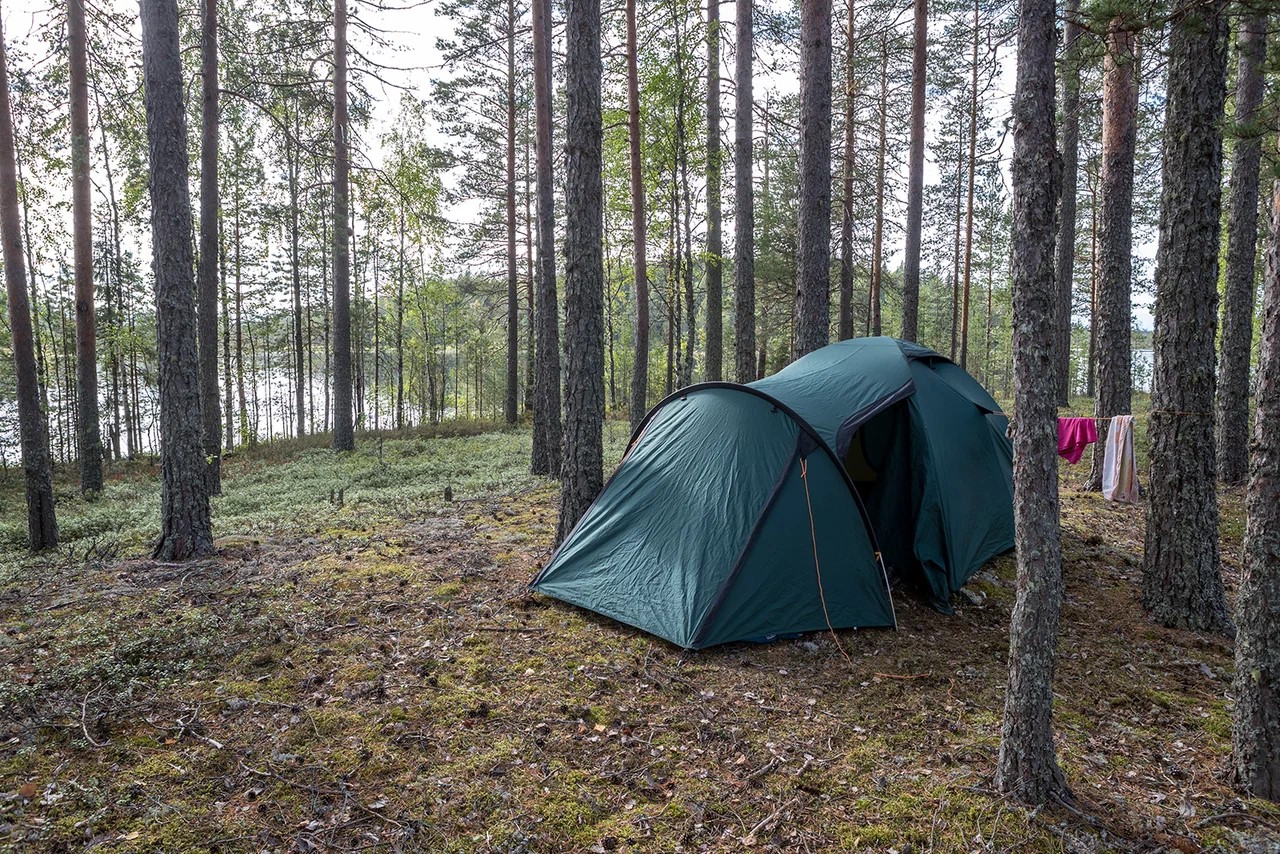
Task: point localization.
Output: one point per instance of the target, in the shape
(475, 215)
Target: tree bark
(1065, 255)
(744, 224)
(546, 408)
(639, 238)
(968, 216)
(715, 268)
(184, 503)
(1113, 346)
(846, 200)
(511, 407)
(583, 473)
(1257, 679)
(877, 235)
(207, 286)
(343, 430)
(42, 526)
(813, 252)
(1181, 576)
(89, 446)
(1242, 237)
(915, 176)
(1028, 768)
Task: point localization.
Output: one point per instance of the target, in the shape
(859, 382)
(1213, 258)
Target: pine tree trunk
(295, 265)
(42, 526)
(184, 503)
(511, 406)
(207, 286)
(1257, 679)
(744, 224)
(1028, 768)
(813, 250)
(640, 372)
(228, 404)
(89, 446)
(1242, 237)
(915, 176)
(877, 235)
(1113, 347)
(972, 169)
(343, 430)
(1181, 576)
(715, 247)
(1065, 254)
(583, 473)
(846, 195)
(546, 407)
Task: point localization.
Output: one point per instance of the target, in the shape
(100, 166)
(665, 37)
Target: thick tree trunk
(184, 502)
(640, 372)
(1181, 576)
(1113, 346)
(1028, 768)
(583, 473)
(715, 247)
(1242, 237)
(813, 252)
(546, 406)
(1257, 680)
(1065, 255)
(89, 446)
(846, 195)
(42, 527)
(744, 223)
(207, 286)
(915, 176)
(343, 430)
(511, 406)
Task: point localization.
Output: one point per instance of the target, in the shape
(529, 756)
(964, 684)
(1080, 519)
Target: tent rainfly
(751, 512)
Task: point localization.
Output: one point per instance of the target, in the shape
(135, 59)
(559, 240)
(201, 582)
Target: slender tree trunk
(971, 169)
(955, 258)
(248, 434)
(295, 263)
(1114, 346)
(511, 408)
(846, 200)
(1181, 576)
(89, 446)
(400, 327)
(1028, 768)
(210, 202)
(744, 252)
(228, 405)
(184, 502)
(877, 235)
(1091, 374)
(1065, 254)
(1257, 679)
(546, 408)
(343, 429)
(1242, 236)
(531, 315)
(639, 238)
(715, 247)
(42, 526)
(915, 176)
(813, 252)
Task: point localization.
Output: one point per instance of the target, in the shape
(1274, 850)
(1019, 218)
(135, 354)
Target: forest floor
(374, 676)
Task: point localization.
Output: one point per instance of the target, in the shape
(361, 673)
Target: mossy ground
(374, 676)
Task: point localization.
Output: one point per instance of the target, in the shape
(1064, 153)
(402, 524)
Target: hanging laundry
(1119, 464)
(1074, 434)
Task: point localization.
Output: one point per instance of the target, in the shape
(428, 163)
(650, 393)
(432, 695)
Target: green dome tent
(746, 512)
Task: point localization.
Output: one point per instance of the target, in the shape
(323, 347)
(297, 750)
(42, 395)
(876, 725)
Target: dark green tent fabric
(880, 455)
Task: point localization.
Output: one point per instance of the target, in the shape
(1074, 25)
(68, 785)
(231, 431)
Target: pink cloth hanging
(1074, 434)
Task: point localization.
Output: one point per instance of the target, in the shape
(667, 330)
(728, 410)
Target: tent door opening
(878, 461)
